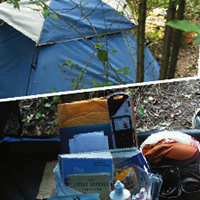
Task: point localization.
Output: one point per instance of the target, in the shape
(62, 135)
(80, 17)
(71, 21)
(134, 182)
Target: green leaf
(37, 116)
(108, 83)
(102, 56)
(29, 118)
(125, 5)
(94, 82)
(45, 13)
(53, 90)
(141, 111)
(69, 62)
(117, 13)
(114, 51)
(126, 69)
(118, 71)
(130, 90)
(74, 66)
(84, 70)
(197, 39)
(98, 45)
(48, 132)
(196, 2)
(55, 99)
(15, 3)
(125, 73)
(45, 98)
(47, 105)
(38, 3)
(55, 27)
(75, 84)
(192, 68)
(54, 16)
(184, 25)
(84, 4)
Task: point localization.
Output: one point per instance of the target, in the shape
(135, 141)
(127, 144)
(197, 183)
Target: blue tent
(67, 47)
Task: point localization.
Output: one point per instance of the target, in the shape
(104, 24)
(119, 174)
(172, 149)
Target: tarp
(33, 49)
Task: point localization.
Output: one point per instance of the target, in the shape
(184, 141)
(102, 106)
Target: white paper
(88, 142)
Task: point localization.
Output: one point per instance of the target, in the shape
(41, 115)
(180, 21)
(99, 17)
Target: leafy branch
(100, 50)
(102, 54)
(185, 25)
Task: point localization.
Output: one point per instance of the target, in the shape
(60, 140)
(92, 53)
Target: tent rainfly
(84, 42)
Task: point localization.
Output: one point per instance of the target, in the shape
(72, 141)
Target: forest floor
(187, 64)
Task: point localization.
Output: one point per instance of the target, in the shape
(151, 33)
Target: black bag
(179, 182)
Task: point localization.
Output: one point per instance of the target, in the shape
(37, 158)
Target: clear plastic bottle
(144, 194)
(119, 192)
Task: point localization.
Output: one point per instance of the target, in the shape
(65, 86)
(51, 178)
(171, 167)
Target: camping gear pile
(166, 166)
(97, 172)
(95, 155)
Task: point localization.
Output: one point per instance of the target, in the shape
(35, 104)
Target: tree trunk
(176, 43)
(167, 42)
(141, 41)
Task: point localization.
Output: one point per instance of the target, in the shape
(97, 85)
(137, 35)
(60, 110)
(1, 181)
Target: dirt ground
(188, 58)
(187, 65)
(167, 105)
